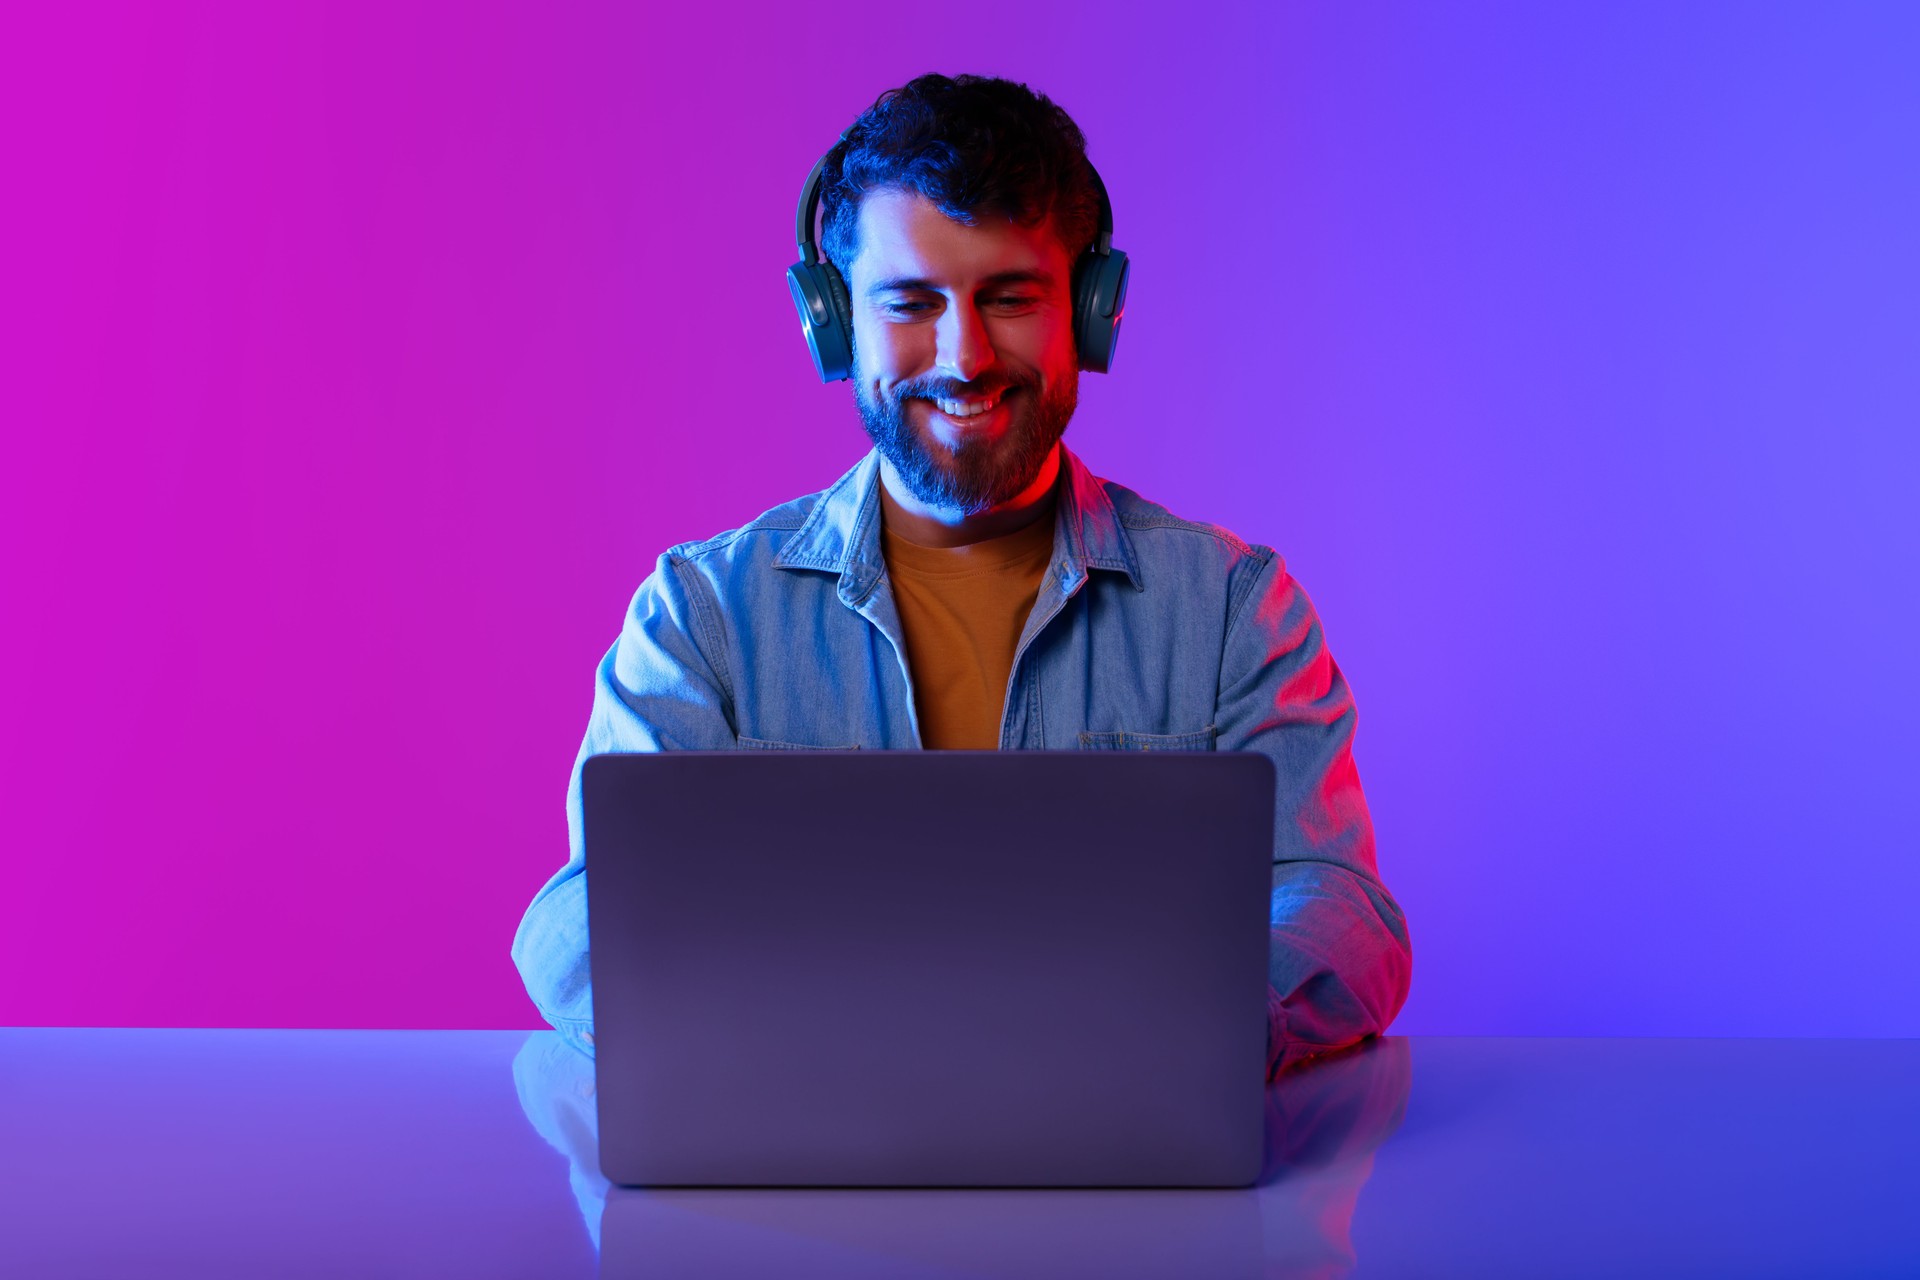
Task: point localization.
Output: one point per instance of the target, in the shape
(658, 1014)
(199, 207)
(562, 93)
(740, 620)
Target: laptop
(933, 969)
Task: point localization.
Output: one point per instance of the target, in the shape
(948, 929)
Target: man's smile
(968, 406)
(970, 414)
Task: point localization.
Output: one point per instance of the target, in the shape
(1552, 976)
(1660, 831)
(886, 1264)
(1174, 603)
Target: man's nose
(964, 348)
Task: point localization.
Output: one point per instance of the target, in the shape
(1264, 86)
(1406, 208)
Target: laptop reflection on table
(1323, 1122)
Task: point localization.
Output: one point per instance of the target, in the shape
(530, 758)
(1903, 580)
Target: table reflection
(1324, 1121)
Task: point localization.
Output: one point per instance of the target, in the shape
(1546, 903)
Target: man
(969, 584)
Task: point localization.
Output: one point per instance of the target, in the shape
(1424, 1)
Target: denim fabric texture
(1149, 633)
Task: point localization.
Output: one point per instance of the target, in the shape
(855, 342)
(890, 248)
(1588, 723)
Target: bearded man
(969, 584)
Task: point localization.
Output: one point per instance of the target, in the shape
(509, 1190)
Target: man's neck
(931, 526)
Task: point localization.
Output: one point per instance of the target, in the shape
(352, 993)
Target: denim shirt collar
(842, 532)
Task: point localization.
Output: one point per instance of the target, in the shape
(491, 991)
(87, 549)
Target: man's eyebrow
(999, 279)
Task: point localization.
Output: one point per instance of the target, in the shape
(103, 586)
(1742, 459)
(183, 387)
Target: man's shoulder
(768, 529)
(1153, 527)
(762, 537)
(1193, 561)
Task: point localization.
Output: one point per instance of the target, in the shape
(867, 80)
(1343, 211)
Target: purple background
(358, 362)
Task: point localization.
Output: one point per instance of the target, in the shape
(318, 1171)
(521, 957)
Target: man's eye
(915, 308)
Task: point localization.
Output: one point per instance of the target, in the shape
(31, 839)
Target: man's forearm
(1339, 962)
(550, 950)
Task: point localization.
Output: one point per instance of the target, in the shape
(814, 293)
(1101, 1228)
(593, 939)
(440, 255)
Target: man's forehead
(904, 236)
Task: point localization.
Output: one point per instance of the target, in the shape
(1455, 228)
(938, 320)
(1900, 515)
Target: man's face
(963, 359)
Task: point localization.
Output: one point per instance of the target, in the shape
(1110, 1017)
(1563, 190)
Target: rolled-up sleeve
(1340, 960)
(656, 689)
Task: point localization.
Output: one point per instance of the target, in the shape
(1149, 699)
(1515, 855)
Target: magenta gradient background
(357, 363)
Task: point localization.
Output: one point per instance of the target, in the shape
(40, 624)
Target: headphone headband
(1103, 236)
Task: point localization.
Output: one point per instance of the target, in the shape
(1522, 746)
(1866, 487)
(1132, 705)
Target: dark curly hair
(971, 145)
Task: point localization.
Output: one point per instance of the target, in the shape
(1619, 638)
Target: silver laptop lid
(874, 968)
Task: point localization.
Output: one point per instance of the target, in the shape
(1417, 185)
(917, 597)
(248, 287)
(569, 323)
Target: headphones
(826, 314)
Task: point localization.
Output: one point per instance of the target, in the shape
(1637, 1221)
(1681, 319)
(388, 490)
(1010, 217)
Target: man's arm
(656, 690)
(1340, 962)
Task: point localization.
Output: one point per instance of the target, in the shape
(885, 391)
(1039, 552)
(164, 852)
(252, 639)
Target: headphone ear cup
(1099, 304)
(825, 317)
(837, 295)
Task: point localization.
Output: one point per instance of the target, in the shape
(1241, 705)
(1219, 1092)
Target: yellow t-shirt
(962, 610)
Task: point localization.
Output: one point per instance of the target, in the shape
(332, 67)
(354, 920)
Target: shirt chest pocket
(1198, 740)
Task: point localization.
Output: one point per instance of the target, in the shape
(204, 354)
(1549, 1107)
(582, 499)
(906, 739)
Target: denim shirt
(1149, 632)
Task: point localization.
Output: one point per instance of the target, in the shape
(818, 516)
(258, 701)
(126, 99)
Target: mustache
(954, 389)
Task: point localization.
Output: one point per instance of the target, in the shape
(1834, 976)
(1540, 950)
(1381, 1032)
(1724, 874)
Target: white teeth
(966, 409)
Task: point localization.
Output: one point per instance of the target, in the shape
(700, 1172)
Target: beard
(979, 474)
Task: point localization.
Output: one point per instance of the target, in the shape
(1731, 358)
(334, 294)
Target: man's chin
(968, 484)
